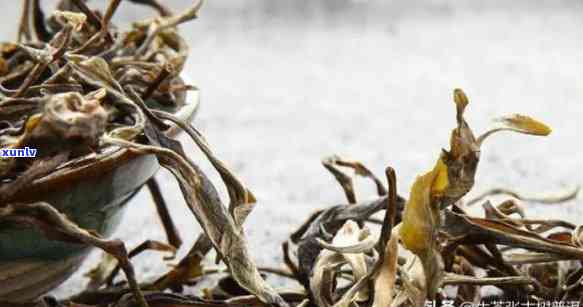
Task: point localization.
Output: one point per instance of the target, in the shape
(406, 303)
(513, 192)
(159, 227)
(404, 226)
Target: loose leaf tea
(79, 90)
(86, 86)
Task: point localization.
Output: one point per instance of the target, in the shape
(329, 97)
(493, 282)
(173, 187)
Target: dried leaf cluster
(79, 87)
(82, 85)
(430, 249)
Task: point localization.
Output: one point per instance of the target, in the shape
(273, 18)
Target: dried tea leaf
(351, 234)
(98, 69)
(461, 102)
(24, 28)
(148, 245)
(332, 163)
(165, 23)
(466, 292)
(172, 234)
(383, 270)
(83, 63)
(459, 164)
(385, 282)
(323, 278)
(40, 167)
(242, 199)
(68, 94)
(162, 10)
(289, 295)
(76, 20)
(414, 283)
(187, 269)
(520, 124)
(204, 202)
(482, 231)
(364, 244)
(68, 117)
(441, 180)
(68, 122)
(344, 180)
(421, 217)
(332, 219)
(556, 197)
(453, 279)
(525, 124)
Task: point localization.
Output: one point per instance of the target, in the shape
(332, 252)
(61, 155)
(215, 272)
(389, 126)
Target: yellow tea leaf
(525, 124)
(420, 217)
(441, 181)
(518, 123)
(32, 122)
(461, 101)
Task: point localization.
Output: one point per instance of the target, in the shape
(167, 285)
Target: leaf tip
(461, 99)
(526, 124)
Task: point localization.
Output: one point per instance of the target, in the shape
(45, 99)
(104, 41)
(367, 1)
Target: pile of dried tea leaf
(74, 85)
(429, 250)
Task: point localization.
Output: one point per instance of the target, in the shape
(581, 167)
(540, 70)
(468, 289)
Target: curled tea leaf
(188, 268)
(204, 202)
(77, 20)
(520, 124)
(98, 69)
(68, 121)
(365, 244)
(555, 197)
(385, 282)
(525, 124)
(420, 225)
(165, 23)
(421, 216)
(461, 102)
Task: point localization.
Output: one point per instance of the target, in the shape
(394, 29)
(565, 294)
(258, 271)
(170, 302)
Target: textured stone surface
(284, 85)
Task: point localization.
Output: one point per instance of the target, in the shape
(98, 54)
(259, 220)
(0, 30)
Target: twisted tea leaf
(205, 204)
(187, 269)
(480, 231)
(172, 234)
(76, 20)
(351, 234)
(421, 223)
(71, 85)
(144, 246)
(387, 265)
(332, 219)
(242, 199)
(169, 22)
(546, 198)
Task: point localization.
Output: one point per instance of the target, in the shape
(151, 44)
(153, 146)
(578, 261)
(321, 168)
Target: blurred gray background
(286, 83)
